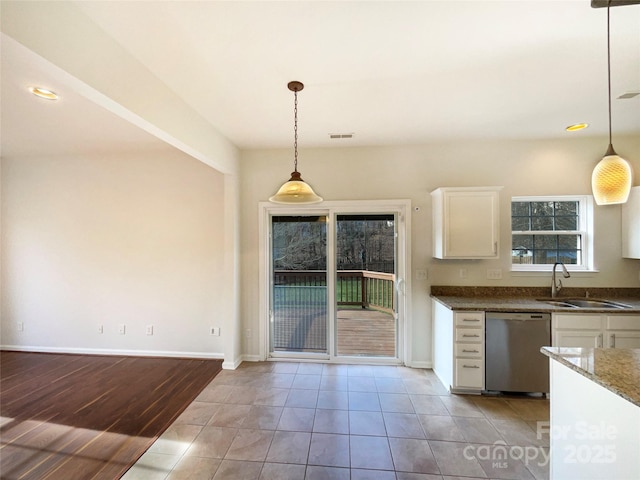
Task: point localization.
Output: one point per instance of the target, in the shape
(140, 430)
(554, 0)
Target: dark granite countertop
(616, 369)
(532, 299)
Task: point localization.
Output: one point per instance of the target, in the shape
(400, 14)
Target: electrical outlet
(20, 326)
(100, 329)
(247, 333)
(494, 273)
(421, 274)
(149, 330)
(463, 273)
(122, 329)
(215, 331)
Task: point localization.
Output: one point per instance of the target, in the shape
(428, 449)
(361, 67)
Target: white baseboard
(101, 351)
(243, 358)
(231, 365)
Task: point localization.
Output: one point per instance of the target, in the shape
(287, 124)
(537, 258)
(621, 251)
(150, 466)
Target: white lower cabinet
(593, 330)
(458, 348)
(622, 331)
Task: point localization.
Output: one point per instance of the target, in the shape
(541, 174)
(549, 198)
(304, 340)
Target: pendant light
(612, 177)
(295, 190)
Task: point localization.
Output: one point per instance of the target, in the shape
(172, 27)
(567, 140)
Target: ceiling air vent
(334, 136)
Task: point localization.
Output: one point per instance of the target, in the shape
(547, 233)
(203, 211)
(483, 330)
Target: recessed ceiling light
(576, 127)
(43, 93)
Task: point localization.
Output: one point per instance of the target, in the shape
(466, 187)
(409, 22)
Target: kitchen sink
(585, 303)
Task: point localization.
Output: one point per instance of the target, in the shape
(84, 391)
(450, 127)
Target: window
(545, 230)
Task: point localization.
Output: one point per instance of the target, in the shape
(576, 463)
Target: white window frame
(586, 231)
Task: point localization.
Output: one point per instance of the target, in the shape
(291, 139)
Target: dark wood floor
(86, 416)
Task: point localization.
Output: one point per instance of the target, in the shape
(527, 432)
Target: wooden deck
(360, 332)
(366, 333)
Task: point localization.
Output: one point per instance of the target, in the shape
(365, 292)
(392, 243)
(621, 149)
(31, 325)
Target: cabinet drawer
(469, 319)
(468, 350)
(623, 322)
(577, 321)
(469, 373)
(469, 335)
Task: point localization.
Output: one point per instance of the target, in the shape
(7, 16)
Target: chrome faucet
(556, 287)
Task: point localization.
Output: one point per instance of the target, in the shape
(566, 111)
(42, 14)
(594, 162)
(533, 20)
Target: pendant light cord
(609, 64)
(295, 131)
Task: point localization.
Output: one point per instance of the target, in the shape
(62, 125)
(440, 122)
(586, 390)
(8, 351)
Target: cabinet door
(622, 339)
(466, 222)
(471, 220)
(578, 338)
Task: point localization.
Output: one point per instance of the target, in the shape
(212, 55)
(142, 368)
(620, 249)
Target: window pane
(566, 208)
(566, 223)
(569, 242)
(568, 257)
(520, 209)
(544, 256)
(520, 223)
(542, 209)
(520, 242)
(545, 241)
(522, 249)
(541, 223)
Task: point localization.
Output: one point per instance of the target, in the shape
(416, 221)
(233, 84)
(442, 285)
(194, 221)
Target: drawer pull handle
(471, 366)
(470, 319)
(473, 336)
(470, 351)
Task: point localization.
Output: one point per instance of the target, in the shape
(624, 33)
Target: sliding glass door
(366, 320)
(299, 318)
(332, 282)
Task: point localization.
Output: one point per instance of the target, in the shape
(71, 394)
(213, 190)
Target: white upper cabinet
(631, 225)
(466, 222)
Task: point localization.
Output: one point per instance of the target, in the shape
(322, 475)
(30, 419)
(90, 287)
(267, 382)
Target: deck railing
(353, 287)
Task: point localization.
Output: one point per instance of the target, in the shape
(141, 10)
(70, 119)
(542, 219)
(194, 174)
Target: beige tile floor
(303, 421)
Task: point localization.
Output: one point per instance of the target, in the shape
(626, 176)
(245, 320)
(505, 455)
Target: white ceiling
(389, 72)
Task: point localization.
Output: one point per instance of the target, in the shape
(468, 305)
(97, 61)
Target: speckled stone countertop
(531, 299)
(616, 369)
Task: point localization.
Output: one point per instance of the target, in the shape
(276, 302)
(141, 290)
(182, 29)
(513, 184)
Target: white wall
(135, 239)
(545, 167)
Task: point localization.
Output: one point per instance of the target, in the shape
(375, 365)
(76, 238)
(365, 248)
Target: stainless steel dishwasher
(512, 352)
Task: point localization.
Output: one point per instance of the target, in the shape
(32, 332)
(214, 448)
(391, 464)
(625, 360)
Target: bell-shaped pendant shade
(295, 191)
(611, 179)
